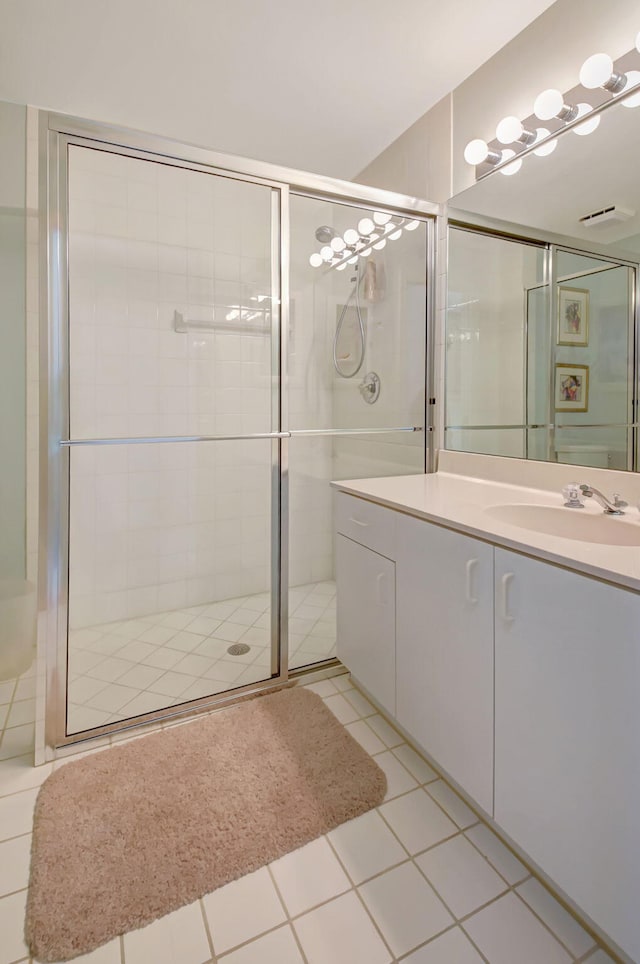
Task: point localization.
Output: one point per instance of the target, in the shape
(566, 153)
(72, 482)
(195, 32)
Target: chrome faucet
(610, 508)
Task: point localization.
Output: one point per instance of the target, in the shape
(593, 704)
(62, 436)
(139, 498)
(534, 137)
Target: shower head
(325, 234)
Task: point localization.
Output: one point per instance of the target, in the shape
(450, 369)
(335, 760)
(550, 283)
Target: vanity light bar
(360, 243)
(598, 72)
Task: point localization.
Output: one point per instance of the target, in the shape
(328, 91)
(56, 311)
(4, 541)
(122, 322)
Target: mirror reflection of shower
(354, 296)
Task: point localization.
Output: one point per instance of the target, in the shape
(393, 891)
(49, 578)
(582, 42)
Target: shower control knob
(370, 387)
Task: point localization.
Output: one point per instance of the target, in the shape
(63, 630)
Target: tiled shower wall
(161, 526)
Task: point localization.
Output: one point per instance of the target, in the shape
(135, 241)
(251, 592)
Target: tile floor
(418, 880)
(123, 669)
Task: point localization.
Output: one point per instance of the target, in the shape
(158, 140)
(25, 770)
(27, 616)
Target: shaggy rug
(129, 834)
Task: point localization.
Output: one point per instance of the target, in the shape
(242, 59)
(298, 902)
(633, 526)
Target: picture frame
(573, 316)
(571, 388)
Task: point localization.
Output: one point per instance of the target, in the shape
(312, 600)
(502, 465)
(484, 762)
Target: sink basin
(568, 523)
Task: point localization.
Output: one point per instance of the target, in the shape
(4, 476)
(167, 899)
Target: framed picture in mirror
(573, 316)
(572, 388)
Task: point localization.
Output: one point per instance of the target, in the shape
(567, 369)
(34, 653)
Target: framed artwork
(573, 316)
(572, 388)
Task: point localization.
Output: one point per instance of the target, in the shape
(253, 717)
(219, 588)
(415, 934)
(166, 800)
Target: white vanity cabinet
(567, 734)
(444, 650)
(366, 606)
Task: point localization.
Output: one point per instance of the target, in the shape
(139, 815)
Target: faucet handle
(619, 502)
(571, 494)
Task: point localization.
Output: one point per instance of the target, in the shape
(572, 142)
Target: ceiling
(319, 86)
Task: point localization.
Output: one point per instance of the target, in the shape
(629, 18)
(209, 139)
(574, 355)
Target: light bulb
(342, 266)
(366, 226)
(351, 236)
(338, 243)
(548, 104)
(512, 168)
(596, 71)
(633, 78)
(395, 235)
(509, 129)
(381, 218)
(380, 244)
(476, 151)
(316, 260)
(353, 260)
(588, 126)
(547, 148)
(365, 252)
(411, 226)
(326, 252)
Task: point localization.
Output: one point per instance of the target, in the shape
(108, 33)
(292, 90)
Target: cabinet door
(444, 602)
(366, 641)
(568, 734)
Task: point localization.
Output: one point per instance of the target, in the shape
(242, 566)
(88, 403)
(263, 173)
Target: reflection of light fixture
(351, 236)
(550, 103)
(411, 225)
(512, 168)
(589, 125)
(597, 71)
(316, 260)
(395, 235)
(380, 244)
(381, 218)
(326, 253)
(338, 244)
(633, 78)
(545, 149)
(366, 226)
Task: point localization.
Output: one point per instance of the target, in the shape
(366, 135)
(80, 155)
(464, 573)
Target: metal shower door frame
(56, 133)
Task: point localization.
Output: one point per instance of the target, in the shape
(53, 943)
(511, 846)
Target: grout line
(207, 928)
(286, 911)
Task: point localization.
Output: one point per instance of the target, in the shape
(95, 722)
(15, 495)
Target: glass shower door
(173, 429)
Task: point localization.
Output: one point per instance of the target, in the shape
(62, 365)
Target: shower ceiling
(323, 87)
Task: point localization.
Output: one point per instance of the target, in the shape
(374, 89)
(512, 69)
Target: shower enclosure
(224, 338)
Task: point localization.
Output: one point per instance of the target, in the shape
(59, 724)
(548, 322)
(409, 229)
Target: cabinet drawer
(365, 522)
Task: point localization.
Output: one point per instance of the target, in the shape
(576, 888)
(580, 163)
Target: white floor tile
(15, 856)
(20, 774)
(16, 813)
(12, 945)
(360, 703)
(158, 634)
(141, 676)
(85, 688)
(178, 938)
(26, 688)
(85, 718)
(399, 780)
(309, 876)
(341, 708)
(452, 804)
(342, 682)
(460, 875)
(136, 650)
(405, 908)
(172, 684)
(112, 697)
(242, 910)
(507, 931)
(366, 846)
(107, 954)
(230, 631)
(6, 691)
(564, 926)
(278, 947)
(17, 741)
(417, 821)
(185, 642)
(341, 932)
(110, 669)
(163, 657)
(203, 625)
(495, 851)
(452, 947)
(225, 670)
(244, 617)
(324, 687)
(415, 764)
(365, 737)
(4, 713)
(384, 731)
(22, 713)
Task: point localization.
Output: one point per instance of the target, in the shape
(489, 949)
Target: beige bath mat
(127, 835)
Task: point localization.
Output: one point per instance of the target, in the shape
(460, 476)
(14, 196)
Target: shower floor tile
(171, 657)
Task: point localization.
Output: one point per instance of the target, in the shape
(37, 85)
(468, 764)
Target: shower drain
(238, 649)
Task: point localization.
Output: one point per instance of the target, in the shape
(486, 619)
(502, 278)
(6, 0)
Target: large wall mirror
(542, 304)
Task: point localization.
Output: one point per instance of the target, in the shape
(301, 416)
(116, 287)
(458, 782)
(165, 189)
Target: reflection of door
(173, 429)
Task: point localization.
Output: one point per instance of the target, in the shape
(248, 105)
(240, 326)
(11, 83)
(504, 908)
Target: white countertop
(459, 501)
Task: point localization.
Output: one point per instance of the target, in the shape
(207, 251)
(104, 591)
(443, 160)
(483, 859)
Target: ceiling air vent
(607, 216)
